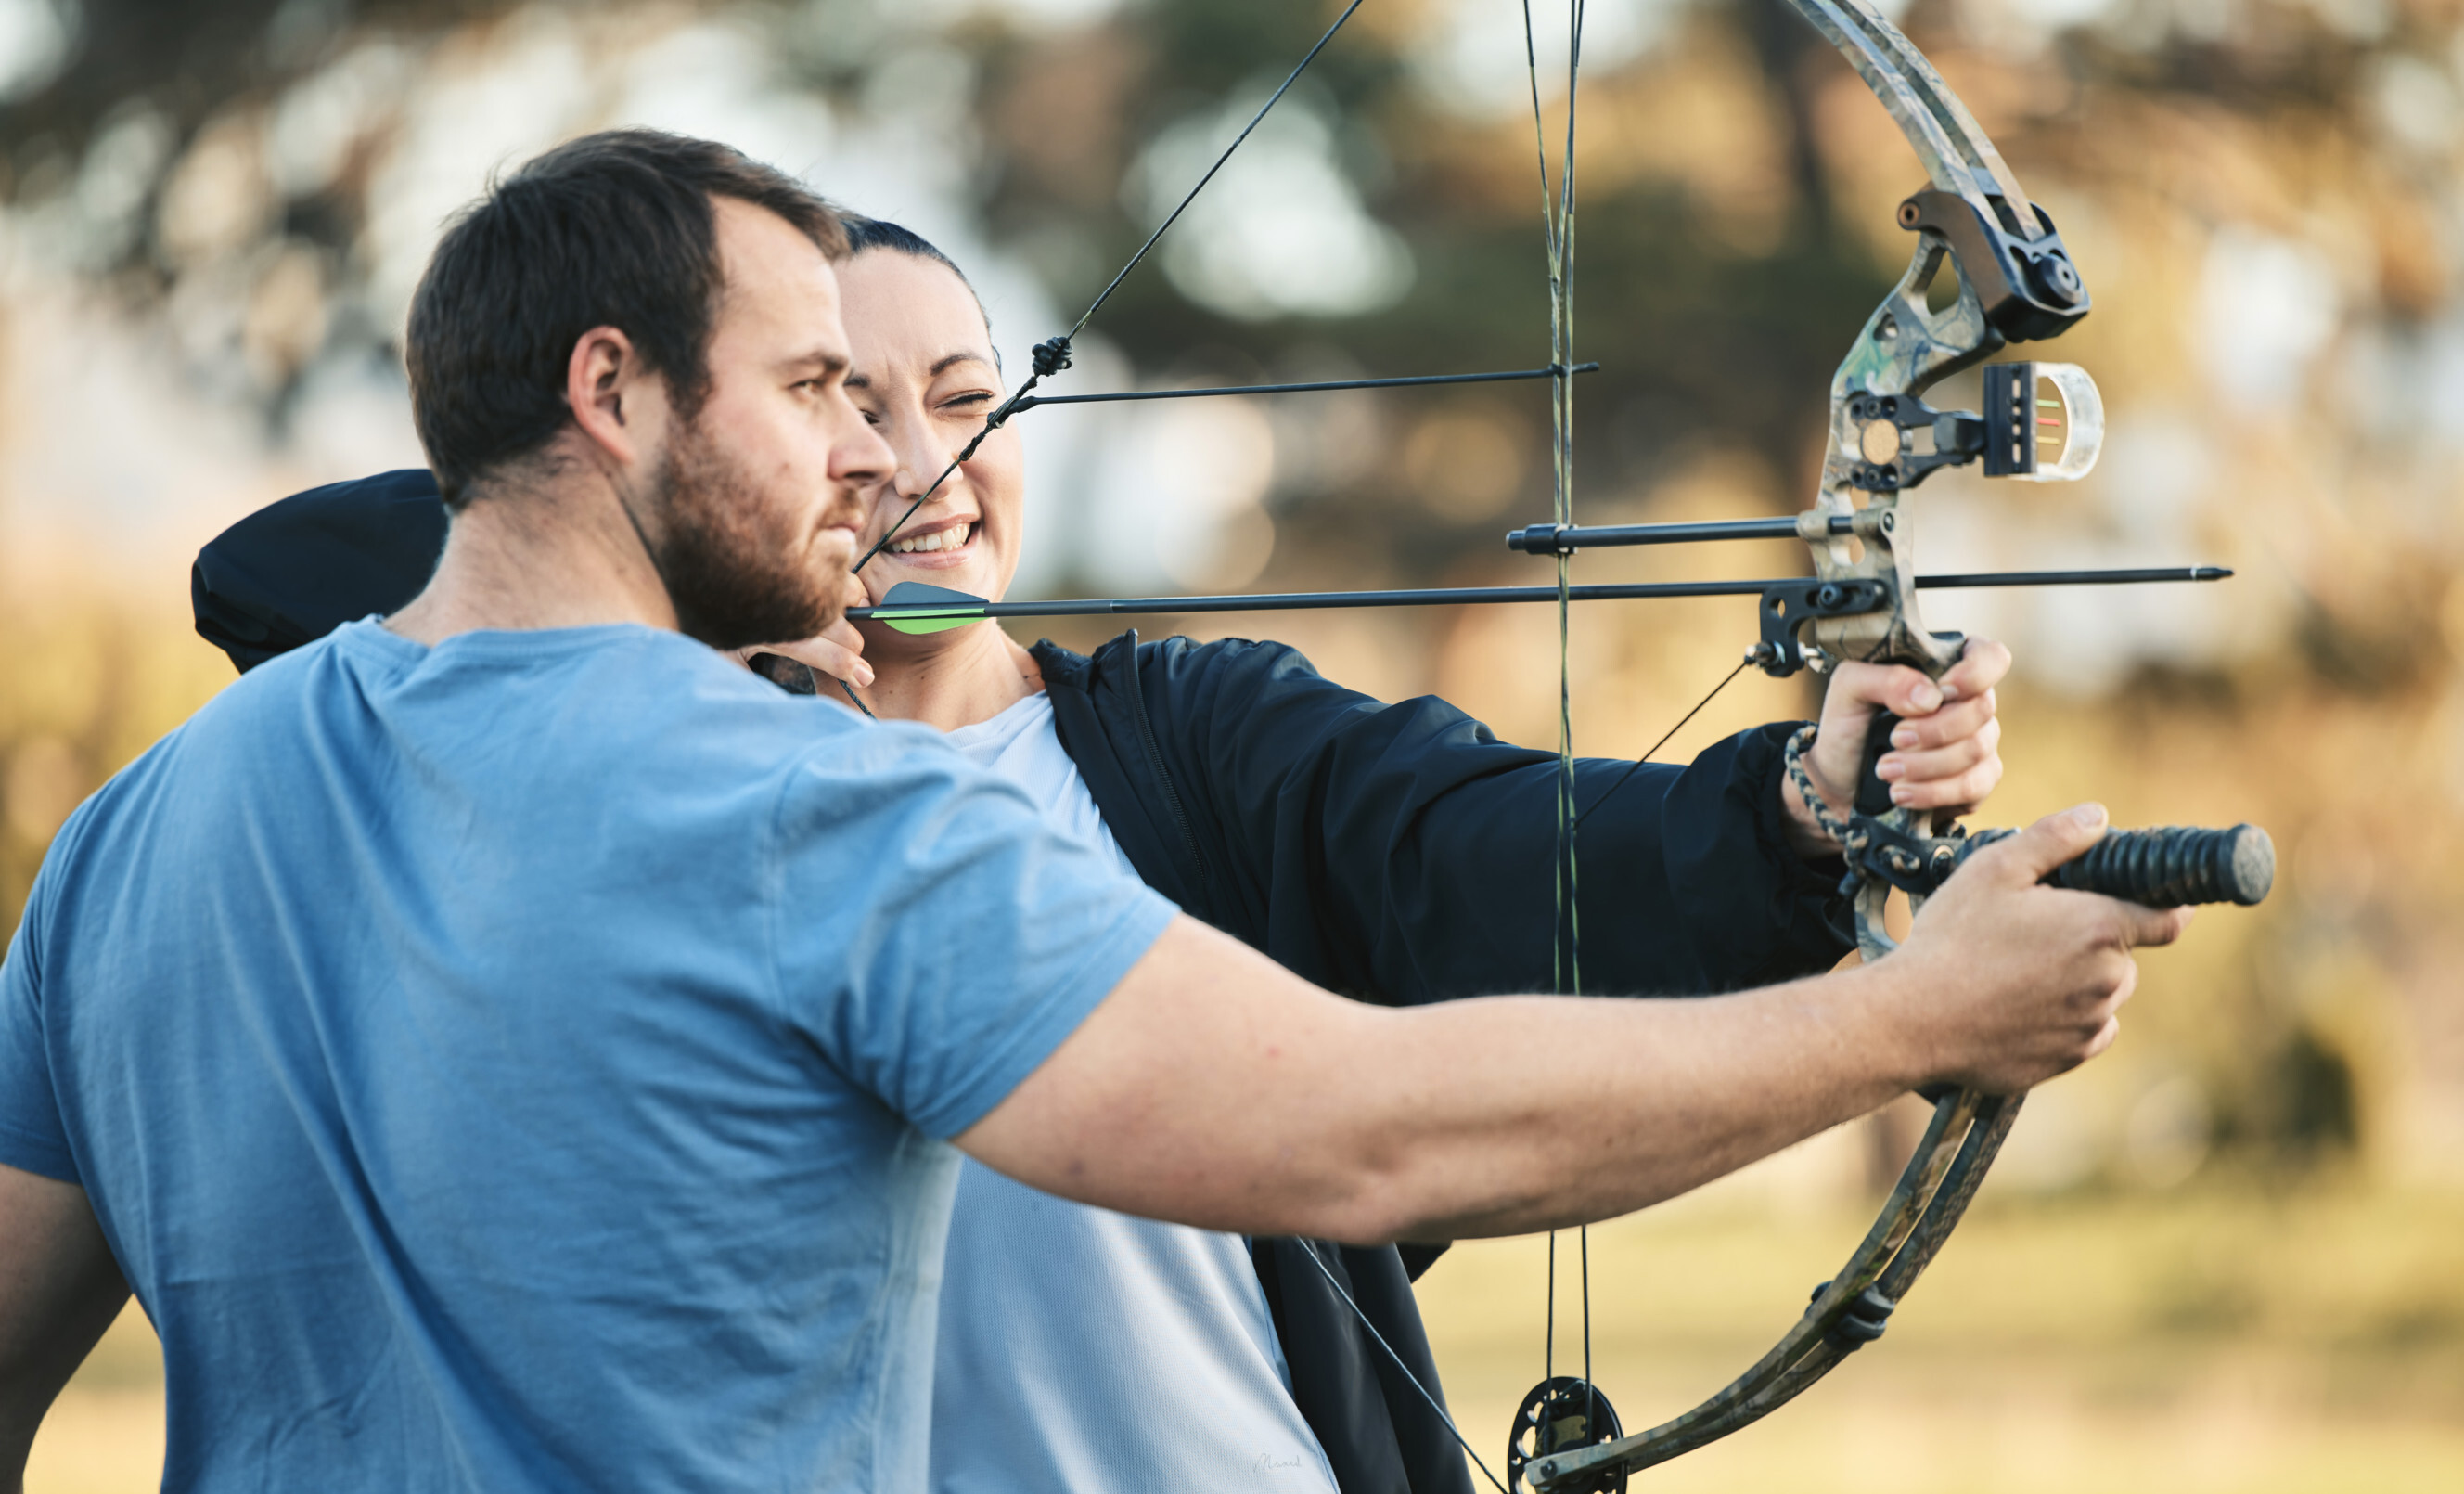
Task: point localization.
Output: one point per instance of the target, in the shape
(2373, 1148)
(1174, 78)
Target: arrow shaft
(1477, 595)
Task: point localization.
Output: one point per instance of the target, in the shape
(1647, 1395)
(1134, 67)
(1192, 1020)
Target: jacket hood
(295, 570)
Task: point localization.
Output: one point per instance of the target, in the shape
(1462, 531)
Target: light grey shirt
(1084, 1351)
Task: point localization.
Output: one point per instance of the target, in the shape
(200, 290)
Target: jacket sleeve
(1403, 853)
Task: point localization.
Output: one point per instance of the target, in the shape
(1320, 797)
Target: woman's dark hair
(863, 233)
(612, 230)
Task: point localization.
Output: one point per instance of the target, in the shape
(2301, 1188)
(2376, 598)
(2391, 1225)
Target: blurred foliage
(2263, 195)
(89, 685)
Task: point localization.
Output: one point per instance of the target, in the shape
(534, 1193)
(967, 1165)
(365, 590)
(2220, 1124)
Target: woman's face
(924, 378)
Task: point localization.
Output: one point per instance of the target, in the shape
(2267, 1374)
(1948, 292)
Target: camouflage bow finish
(2015, 283)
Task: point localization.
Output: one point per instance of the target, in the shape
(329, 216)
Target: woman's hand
(1944, 753)
(837, 652)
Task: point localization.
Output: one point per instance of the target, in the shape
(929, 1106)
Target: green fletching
(913, 607)
(928, 621)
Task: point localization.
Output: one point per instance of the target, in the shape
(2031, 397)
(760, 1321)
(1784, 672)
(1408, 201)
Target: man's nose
(861, 457)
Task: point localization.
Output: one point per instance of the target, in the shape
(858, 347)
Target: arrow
(915, 607)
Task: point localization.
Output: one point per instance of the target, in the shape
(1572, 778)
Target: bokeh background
(2230, 1256)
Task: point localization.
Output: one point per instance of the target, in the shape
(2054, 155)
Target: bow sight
(2018, 424)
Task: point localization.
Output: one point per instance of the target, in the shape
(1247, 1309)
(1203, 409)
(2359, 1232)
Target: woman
(1399, 853)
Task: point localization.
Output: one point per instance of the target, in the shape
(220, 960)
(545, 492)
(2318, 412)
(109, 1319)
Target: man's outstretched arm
(59, 1289)
(1216, 1088)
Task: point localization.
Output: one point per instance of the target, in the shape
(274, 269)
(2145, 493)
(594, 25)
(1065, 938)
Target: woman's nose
(922, 459)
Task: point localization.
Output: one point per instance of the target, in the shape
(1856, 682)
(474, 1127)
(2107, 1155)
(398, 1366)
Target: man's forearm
(1591, 1108)
(1216, 1089)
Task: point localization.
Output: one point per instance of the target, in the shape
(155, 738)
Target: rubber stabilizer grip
(2172, 866)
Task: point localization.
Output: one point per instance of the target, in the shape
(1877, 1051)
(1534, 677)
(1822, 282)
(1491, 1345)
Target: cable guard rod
(1550, 371)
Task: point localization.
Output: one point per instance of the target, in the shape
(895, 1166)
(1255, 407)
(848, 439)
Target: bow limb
(1944, 135)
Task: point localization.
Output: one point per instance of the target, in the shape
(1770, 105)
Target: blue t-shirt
(519, 1064)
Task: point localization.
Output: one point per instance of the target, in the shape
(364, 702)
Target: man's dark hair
(612, 230)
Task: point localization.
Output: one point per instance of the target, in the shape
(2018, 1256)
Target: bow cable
(1052, 355)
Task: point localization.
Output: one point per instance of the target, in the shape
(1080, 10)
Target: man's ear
(618, 403)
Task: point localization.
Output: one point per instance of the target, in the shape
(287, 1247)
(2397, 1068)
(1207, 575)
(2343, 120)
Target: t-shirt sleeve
(936, 936)
(32, 1136)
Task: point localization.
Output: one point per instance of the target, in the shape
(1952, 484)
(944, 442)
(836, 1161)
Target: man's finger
(2105, 1036)
(2047, 844)
(2152, 928)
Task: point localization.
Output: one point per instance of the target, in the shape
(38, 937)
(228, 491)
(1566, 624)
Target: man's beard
(734, 575)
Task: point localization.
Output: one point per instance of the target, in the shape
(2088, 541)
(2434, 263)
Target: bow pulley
(1560, 1415)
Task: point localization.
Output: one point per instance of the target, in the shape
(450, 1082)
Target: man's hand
(1944, 754)
(2020, 982)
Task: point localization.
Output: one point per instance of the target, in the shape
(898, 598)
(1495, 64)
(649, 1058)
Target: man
(510, 1046)
(1393, 853)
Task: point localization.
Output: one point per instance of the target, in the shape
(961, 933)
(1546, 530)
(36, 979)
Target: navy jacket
(1402, 854)
(1395, 853)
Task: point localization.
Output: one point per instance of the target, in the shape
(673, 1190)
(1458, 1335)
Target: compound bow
(2016, 282)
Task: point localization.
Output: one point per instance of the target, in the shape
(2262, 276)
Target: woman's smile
(941, 545)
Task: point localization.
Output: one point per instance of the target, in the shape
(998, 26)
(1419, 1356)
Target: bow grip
(2172, 866)
(1873, 795)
